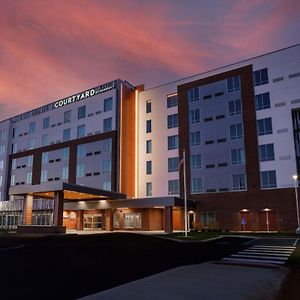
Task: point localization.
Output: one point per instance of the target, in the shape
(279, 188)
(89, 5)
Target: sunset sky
(53, 48)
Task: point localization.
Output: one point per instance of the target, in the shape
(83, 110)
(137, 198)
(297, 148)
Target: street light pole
(185, 196)
(295, 177)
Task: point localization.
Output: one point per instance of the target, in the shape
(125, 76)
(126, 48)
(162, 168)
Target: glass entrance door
(92, 222)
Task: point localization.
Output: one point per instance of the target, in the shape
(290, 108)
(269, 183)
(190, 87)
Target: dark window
(66, 134)
(172, 142)
(239, 182)
(67, 116)
(80, 131)
(173, 121)
(194, 115)
(149, 146)
(264, 126)
(148, 106)
(208, 119)
(236, 131)
(237, 156)
(235, 107)
(32, 127)
(108, 103)
(207, 97)
(81, 112)
(262, 101)
(107, 124)
(193, 94)
(195, 138)
(233, 84)
(266, 152)
(46, 123)
(173, 164)
(148, 126)
(148, 167)
(172, 101)
(195, 161)
(261, 77)
(268, 179)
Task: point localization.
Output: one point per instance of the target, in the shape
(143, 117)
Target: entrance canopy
(72, 192)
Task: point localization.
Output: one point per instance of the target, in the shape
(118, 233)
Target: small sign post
(243, 222)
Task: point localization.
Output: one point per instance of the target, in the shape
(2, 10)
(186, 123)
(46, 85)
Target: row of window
(172, 101)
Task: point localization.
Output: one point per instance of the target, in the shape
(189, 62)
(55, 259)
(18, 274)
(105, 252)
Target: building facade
(238, 126)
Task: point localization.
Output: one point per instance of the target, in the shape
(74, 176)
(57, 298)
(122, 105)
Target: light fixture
(266, 209)
(245, 210)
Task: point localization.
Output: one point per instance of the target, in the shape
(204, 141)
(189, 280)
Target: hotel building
(110, 157)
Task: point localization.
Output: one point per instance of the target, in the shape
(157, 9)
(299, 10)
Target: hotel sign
(85, 94)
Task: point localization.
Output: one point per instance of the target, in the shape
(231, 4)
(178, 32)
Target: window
(172, 101)
(2, 135)
(29, 161)
(31, 143)
(106, 185)
(172, 142)
(196, 185)
(108, 104)
(1, 164)
(262, 101)
(264, 126)
(195, 161)
(14, 148)
(28, 177)
(148, 126)
(266, 152)
(237, 156)
(149, 146)
(67, 116)
(107, 124)
(1, 180)
(44, 140)
(65, 172)
(148, 106)
(132, 220)
(13, 164)
(32, 127)
(15, 132)
(46, 123)
(106, 166)
(236, 131)
(195, 138)
(106, 145)
(81, 112)
(13, 180)
(80, 170)
(173, 164)
(173, 121)
(80, 131)
(261, 77)
(233, 84)
(194, 115)
(173, 187)
(81, 151)
(235, 107)
(193, 94)
(67, 134)
(149, 189)
(2, 149)
(239, 182)
(148, 167)
(45, 158)
(66, 153)
(44, 175)
(208, 220)
(268, 179)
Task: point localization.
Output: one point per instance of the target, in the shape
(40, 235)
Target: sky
(50, 49)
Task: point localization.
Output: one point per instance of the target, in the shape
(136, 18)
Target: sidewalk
(204, 281)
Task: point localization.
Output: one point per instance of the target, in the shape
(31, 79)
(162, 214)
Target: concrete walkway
(204, 281)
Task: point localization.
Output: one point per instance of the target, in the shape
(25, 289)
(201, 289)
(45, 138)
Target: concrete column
(79, 224)
(109, 220)
(168, 219)
(58, 208)
(27, 209)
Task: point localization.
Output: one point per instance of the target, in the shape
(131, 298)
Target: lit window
(79, 170)
(66, 153)
(44, 175)
(14, 148)
(106, 166)
(29, 161)
(65, 172)
(106, 185)
(149, 189)
(13, 180)
(31, 143)
(45, 156)
(28, 177)
(149, 146)
(13, 164)
(1, 164)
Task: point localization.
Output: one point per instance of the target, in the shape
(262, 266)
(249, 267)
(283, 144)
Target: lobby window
(29, 161)
(44, 176)
(106, 166)
(239, 182)
(261, 77)
(237, 156)
(31, 143)
(14, 148)
(66, 153)
(81, 112)
(235, 107)
(107, 145)
(173, 187)
(233, 84)
(12, 179)
(108, 104)
(2, 149)
(266, 152)
(106, 185)
(107, 124)
(28, 177)
(173, 164)
(173, 121)
(194, 115)
(65, 172)
(148, 126)
(262, 101)
(44, 140)
(32, 127)
(264, 126)
(80, 170)
(2, 135)
(195, 161)
(193, 94)
(208, 219)
(148, 107)
(149, 146)
(1, 164)
(149, 189)
(172, 142)
(81, 151)
(67, 116)
(195, 138)
(172, 101)
(132, 220)
(80, 131)
(46, 123)
(67, 134)
(196, 185)
(268, 179)
(148, 167)
(236, 131)
(45, 158)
